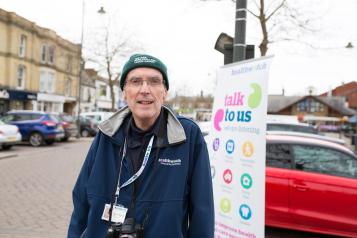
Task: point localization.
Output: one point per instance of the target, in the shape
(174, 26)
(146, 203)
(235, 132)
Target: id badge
(119, 213)
(105, 215)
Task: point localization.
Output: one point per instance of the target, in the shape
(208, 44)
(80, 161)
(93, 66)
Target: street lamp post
(239, 46)
(81, 66)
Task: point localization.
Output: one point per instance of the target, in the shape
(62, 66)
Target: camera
(128, 229)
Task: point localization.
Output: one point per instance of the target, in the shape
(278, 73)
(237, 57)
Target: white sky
(182, 33)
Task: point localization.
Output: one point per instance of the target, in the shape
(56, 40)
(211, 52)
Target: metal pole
(239, 37)
(81, 65)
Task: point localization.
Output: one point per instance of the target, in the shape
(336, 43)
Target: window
(24, 117)
(278, 156)
(69, 63)
(21, 71)
(51, 82)
(103, 90)
(22, 48)
(51, 54)
(43, 53)
(68, 87)
(8, 118)
(310, 105)
(43, 80)
(47, 82)
(325, 161)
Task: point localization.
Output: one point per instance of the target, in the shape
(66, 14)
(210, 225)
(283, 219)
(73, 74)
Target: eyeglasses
(138, 82)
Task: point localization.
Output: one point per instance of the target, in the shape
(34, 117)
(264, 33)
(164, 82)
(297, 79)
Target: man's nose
(144, 87)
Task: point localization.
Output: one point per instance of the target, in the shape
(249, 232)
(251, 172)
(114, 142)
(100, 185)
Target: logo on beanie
(144, 59)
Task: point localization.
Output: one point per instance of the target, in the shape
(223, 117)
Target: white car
(9, 135)
(97, 117)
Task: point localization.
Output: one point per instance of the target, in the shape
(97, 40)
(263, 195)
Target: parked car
(9, 135)
(96, 116)
(68, 123)
(88, 127)
(35, 127)
(308, 135)
(290, 126)
(311, 185)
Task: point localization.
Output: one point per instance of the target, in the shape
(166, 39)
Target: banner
(236, 144)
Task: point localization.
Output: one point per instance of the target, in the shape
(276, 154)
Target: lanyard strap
(137, 174)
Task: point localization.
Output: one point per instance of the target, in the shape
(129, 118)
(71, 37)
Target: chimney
(329, 93)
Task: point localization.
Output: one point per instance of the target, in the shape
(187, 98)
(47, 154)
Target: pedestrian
(147, 172)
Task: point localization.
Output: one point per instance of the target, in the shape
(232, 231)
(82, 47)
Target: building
(101, 96)
(348, 90)
(88, 91)
(39, 70)
(317, 110)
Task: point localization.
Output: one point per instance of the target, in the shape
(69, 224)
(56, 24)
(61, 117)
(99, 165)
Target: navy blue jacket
(177, 197)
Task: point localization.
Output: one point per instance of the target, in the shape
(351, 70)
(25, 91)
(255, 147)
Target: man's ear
(164, 94)
(124, 94)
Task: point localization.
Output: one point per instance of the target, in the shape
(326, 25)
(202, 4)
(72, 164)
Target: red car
(311, 185)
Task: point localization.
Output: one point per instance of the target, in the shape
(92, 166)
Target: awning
(18, 95)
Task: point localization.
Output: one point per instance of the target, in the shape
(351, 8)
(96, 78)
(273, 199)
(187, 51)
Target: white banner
(237, 148)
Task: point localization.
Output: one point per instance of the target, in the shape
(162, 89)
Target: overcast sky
(183, 32)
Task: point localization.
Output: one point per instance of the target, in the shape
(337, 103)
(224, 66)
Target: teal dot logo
(246, 181)
(255, 97)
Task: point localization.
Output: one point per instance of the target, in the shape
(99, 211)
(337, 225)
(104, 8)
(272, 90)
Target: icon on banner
(216, 144)
(255, 98)
(213, 171)
(218, 117)
(230, 146)
(248, 149)
(245, 212)
(225, 205)
(227, 176)
(246, 181)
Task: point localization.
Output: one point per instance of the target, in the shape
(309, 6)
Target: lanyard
(137, 174)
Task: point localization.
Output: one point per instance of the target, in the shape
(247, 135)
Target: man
(145, 166)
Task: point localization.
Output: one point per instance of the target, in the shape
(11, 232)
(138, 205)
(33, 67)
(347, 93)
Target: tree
(280, 20)
(107, 53)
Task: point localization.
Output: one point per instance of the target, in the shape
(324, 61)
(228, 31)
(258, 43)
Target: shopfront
(49, 102)
(16, 100)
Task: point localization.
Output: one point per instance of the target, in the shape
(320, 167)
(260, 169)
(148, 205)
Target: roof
(307, 141)
(277, 103)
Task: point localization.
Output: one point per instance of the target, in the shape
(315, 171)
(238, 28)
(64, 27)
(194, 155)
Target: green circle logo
(255, 97)
(225, 205)
(246, 181)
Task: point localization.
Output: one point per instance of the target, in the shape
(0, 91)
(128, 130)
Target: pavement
(36, 186)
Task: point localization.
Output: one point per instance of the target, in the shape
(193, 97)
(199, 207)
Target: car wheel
(49, 142)
(85, 133)
(36, 139)
(65, 139)
(6, 147)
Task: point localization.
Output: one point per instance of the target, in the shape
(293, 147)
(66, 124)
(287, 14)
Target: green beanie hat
(142, 60)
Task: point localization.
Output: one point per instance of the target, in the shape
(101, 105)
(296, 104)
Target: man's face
(144, 91)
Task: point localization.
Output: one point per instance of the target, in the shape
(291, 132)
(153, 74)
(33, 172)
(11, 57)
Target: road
(35, 188)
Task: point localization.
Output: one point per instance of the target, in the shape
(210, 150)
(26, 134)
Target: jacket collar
(175, 131)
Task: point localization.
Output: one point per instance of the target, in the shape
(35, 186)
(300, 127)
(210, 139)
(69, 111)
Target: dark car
(88, 127)
(35, 127)
(69, 125)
